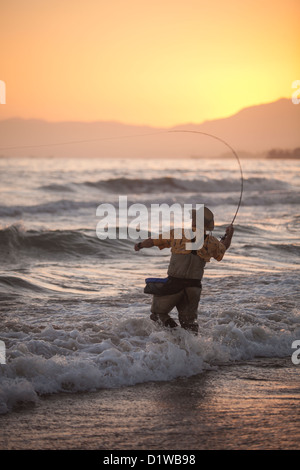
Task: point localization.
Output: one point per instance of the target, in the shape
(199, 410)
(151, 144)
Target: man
(182, 288)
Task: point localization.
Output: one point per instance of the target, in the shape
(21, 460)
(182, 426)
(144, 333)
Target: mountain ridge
(253, 130)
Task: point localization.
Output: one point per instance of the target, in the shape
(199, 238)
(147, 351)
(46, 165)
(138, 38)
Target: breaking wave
(52, 207)
(15, 239)
(171, 184)
(50, 360)
(257, 191)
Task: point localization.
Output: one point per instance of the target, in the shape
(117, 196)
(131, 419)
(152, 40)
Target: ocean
(75, 324)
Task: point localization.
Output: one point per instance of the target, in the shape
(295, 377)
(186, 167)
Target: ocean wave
(52, 207)
(293, 226)
(171, 184)
(257, 191)
(271, 198)
(56, 187)
(15, 239)
(135, 350)
(290, 248)
(16, 284)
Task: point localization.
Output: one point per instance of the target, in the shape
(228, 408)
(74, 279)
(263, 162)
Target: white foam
(15, 390)
(134, 351)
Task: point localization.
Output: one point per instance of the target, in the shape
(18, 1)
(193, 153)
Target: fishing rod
(146, 135)
(234, 153)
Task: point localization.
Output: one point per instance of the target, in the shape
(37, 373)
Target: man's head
(209, 223)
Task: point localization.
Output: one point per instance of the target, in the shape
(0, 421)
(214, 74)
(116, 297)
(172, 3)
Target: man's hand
(229, 231)
(226, 240)
(144, 244)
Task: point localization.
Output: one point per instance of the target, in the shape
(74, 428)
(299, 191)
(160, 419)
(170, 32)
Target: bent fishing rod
(234, 153)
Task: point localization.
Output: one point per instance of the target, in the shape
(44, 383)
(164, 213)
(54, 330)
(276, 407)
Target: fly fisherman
(182, 287)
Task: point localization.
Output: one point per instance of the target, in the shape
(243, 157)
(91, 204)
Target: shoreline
(245, 406)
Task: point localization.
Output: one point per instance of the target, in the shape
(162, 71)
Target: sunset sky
(158, 62)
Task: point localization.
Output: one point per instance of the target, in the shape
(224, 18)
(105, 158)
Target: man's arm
(226, 240)
(160, 242)
(148, 243)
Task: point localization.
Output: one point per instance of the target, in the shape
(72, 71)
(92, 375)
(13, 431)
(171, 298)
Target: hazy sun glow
(162, 62)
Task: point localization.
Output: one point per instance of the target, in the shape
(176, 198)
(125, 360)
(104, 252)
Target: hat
(209, 223)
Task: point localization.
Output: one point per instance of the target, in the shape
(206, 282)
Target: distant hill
(252, 131)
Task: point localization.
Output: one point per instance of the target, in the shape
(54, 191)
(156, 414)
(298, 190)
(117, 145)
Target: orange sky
(158, 62)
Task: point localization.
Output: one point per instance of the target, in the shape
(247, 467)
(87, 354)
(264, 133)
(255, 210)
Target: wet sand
(252, 405)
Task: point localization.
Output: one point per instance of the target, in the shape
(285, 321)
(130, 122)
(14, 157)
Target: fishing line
(145, 135)
(70, 142)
